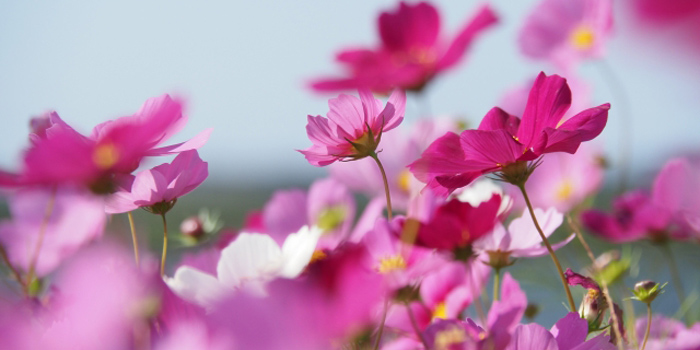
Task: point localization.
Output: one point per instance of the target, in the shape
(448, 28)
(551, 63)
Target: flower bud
(647, 291)
(192, 227)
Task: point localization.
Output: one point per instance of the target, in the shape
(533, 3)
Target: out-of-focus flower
(353, 127)
(673, 210)
(504, 144)
(569, 333)
(668, 334)
(520, 240)
(60, 154)
(593, 305)
(158, 189)
(411, 52)
(566, 32)
(76, 218)
(249, 262)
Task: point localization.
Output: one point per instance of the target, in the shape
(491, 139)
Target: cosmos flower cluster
(425, 264)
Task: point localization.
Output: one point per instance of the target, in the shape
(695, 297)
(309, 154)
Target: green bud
(647, 291)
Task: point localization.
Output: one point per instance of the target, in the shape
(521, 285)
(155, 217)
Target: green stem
(165, 245)
(496, 284)
(386, 184)
(606, 292)
(646, 334)
(42, 233)
(133, 238)
(381, 325)
(675, 276)
(549, 249)
(419, 334)
(14, 271)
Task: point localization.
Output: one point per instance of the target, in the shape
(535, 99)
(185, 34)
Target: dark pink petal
(582, 127)
(412, 26)
(549, 99)
(393, 113)
(497, 119)
(574, 279)
(489, 149)
(334, 84)
(483, 19)
(445, 184)
(443, 157)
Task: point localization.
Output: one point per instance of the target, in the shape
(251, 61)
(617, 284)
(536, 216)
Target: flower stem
(549, 248)
(381, 325)
(386, 184)
(42, 233)
(133, 238)
(675, 276)
(419, 334)
(14, 271)
(165, 245)
(496, 283)
(603, 282)
(646, 334)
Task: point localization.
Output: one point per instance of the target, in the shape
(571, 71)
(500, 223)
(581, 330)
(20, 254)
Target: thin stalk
(42, 232)
(675, 275)
(597, 269)
(133, 238)
(496, 284)
(646, 334)
(419, 334)
(549, 248)
(386, 184)
(14, 271)
(381, 325)
(165, 245)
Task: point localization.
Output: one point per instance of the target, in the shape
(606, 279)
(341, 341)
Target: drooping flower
(567, 32)
(505, 143)
(59, 154)
(158, 189)
(75, 218)
(353, 127)
(520, 240)
(411, 52)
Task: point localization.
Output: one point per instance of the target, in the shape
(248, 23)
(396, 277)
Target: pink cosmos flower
(76, 219)
(160, 186)
(505, 143)
(353, 128)
(566, 32)
(411, 52)
(569, 333)
(520, 240)
(672, 211)
(60, 154)
(668, 334)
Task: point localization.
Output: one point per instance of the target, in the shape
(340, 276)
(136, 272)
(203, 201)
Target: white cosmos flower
(249, 262)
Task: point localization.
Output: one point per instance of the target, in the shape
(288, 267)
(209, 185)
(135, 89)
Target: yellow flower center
(565, 190)
(317, 256)
(404, 181)
(440, 311)
(582, 38)
(330, 218)
(391, 263)
(448, 337)
(105, 156)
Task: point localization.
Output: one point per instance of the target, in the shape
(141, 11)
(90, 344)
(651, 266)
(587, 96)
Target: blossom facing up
(158, 188)
(59, 154)
(504, 143)
(411, 52)
(567, 32)
(353, 127)
(520, 240)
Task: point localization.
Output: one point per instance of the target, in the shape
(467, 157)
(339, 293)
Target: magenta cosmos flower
(411, 52)
(505, 143)
(353, 127)
(159, 188)
(566, 32)
(59, 154)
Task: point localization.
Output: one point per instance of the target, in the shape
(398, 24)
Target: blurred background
(244, 68)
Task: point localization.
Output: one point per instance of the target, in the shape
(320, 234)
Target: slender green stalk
(133, 238)
(381, 325)
(569, 297)
(675, 275)
(386, 185)
(165, 245)
(42, 233)
(646, 334)
(496, 284)
(606, 291)
(419, 334)
(14, 271)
